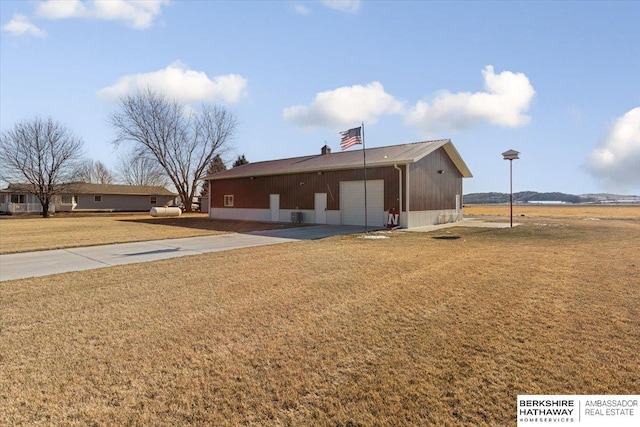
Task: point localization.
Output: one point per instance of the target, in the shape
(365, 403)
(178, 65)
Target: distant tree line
(523, 197)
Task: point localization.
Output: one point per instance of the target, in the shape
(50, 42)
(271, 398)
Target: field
(443, 328)
(556, 211)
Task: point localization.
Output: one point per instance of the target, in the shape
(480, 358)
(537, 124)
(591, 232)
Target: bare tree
(94, 172)
(135, 169)
(182, 140)
(42, 153)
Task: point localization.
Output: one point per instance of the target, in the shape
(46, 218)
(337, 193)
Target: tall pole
(511, 190)
(511, 155)
(364, 159)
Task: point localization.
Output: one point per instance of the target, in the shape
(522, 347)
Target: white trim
(244, 214)
(407, 215)
(333, 217)
(403, 221)
(422, 218)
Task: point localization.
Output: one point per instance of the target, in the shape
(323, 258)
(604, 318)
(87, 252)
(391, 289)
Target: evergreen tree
(217, 165)
(241, 160)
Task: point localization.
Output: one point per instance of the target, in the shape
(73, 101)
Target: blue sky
(557, 81)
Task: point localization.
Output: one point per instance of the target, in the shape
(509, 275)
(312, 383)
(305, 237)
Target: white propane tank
(165, 211)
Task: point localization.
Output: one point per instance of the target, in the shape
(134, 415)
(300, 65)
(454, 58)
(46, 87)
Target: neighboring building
(79, 196)
(423, 180)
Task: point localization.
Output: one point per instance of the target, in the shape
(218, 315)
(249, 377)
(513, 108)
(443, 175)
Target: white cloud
(301, 9)
(344, 106)
(615, 160)
(351, 6)
(20, 26)
(505, 101)
(139, 14)
(60, 9)
(178, 82)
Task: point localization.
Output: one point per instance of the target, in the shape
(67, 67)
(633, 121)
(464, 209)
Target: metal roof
(86, 188)
(376, 157)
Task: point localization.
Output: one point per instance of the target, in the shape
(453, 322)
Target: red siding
(431, 190)
(297, 190)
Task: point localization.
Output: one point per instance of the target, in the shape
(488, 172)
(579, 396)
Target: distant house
(423, 181)
(80, 196)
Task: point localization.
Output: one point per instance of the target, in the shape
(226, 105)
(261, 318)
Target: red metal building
(422, 180)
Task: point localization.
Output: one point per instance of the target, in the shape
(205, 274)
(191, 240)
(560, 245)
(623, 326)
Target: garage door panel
(352, 202)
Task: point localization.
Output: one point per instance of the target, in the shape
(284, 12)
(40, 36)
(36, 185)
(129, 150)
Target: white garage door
(352, 202)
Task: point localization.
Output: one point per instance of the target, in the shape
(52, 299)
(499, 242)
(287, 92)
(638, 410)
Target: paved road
(43, 263)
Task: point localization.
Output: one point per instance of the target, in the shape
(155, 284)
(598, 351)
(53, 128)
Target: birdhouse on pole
(511, 155)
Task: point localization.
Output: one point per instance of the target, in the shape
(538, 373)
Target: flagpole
(364, 159)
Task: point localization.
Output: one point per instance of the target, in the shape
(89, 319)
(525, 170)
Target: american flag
(350, 138)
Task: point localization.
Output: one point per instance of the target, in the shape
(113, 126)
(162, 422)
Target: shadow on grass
(446, 237)
(237, 226)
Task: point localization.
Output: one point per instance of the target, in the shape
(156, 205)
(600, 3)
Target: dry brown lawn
(408, 330)
(67, 231)
(566, 211)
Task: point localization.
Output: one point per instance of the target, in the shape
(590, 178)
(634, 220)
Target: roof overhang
(457, 160)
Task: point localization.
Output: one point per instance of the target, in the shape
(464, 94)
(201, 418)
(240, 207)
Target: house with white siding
(81, 196)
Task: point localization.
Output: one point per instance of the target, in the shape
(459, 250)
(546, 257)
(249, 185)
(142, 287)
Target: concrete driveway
(466, 222)
(43, 263)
